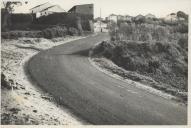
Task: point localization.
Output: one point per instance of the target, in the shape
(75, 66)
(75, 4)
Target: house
(113, 17)
(83, 9)
(120, 17)
(51, 9)
(40, 7)
(171, 17)
(150, 16)
(100, 26)
(45, 9)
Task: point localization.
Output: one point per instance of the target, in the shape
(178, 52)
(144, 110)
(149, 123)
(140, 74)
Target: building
(51, 9)
(121, 17)
(171, 17)
(113, 17)
(40, 7)
(45, 9)
(83, 9)
(100, 26)
(116, 18)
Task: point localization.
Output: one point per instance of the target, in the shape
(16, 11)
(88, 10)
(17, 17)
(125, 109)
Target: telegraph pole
(100, 21)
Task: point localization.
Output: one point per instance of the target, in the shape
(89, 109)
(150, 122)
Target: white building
(121, 17)
(45, 9)
(100, 26)
(51, 9)
(40, 7)
(171, 17)
(112, 17)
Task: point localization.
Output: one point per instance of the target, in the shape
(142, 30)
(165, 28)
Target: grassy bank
(48, 33)
(158, 52)
(22, 101)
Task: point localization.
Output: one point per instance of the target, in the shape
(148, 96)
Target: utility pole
(100, 21)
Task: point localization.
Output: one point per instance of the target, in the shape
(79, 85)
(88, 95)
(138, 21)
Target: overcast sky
(160, 8)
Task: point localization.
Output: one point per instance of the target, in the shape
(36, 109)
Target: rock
(14, 110)
(4, 83)
(35, 111)
(22, 87)
(27, 93)
(47, 98)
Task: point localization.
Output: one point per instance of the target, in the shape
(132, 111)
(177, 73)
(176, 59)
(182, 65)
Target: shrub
(183, 43)
(163, 61)
(182, 28)
(73, 31)
(53, 32)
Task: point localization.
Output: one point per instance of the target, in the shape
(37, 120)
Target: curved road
(65, 72)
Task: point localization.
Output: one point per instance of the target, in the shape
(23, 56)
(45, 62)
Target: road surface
(65, 72)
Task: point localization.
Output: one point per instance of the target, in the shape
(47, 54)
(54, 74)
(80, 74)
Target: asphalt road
(65, 72)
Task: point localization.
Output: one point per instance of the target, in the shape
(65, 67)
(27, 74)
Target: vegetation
(49, 32)
(157, 50)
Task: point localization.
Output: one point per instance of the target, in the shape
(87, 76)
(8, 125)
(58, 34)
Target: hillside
(157, 51)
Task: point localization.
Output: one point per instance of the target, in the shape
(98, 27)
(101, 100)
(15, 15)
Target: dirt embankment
(22, 102)
(156, 56)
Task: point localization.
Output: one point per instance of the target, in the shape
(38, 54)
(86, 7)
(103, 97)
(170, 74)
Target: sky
(159, 8)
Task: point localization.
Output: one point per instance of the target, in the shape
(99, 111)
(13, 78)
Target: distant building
(51, 9)
(46, 9)
(83, 9)
(100, 26)
(121, 17)
(113, 17)
(171, 17)
(150, 16)
(40, 7)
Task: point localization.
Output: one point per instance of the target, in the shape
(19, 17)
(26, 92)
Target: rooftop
(39, 5)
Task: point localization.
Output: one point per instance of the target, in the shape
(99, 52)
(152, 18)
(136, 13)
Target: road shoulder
(22, 101)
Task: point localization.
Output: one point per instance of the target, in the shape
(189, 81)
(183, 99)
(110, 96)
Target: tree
(6, 13)
(182, 15)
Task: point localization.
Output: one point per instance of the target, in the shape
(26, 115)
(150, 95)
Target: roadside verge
(22, 101)
(134, 79)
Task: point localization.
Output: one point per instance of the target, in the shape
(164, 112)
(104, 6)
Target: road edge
(131, 82)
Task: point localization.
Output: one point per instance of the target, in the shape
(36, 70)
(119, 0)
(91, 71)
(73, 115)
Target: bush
(17, 34)
(183, 43)
(182, 28)
(73, 31)
(163, 61)
(53, 32)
